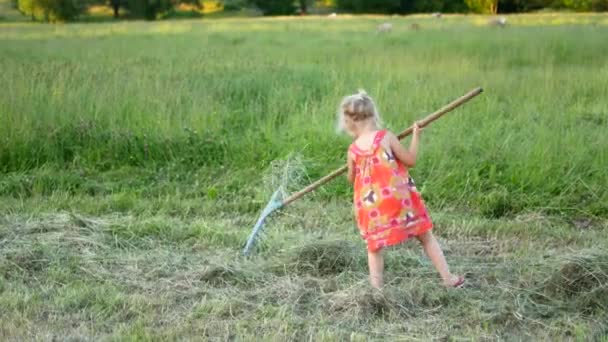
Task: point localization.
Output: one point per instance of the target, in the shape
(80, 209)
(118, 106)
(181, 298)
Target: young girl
(388, 208)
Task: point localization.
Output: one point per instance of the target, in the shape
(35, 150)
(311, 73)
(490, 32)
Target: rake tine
(274, 204)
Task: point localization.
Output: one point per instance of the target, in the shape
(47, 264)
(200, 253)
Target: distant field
(132, 157)
(193, 95)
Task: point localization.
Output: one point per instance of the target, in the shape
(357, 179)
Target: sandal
(458, 284)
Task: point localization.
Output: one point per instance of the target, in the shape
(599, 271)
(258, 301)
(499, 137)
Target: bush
(370, 6)
(421, 6)
(454, 6)
(233, 5)
(584, 5)
(483, 6)
(275, 7)
(402, 6)
(517, 6)
(52, 10)
(148, 9)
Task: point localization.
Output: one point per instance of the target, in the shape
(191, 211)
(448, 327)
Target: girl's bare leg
(434, 252)
(376, 268)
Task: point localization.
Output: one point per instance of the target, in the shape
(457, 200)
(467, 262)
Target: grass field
(132, 159)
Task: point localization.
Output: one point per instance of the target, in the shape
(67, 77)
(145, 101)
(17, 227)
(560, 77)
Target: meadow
(135, 156)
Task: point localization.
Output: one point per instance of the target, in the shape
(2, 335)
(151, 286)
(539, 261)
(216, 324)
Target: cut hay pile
(362, 303)
(223, 275)
(324, 258)
(582, 281)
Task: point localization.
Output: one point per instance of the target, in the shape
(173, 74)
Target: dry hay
(322, 258)
(583, 280)
(500, 21)
(361, 303)
(221, 276)
(384, 28)
(36, 243)
(286, 175)
(22, 262)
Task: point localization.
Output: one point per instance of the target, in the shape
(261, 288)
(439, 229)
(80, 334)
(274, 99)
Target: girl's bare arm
(351, 169)
(406, 156)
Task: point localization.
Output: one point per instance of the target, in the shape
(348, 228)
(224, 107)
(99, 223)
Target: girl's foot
(454, 281)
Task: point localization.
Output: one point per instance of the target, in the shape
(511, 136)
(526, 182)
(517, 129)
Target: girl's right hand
(417, 128)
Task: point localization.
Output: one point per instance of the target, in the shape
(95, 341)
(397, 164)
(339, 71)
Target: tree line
(466, 6)
(66, 10)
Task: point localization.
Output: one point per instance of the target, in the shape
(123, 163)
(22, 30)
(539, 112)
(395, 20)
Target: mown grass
(133, 156)
(160, 276)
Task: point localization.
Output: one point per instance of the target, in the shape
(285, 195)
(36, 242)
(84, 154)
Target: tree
(402, 6)
(585, 5)
(483, 6)
(518, 6)
(52, 10)
(370, 6)
(275, 7)
(149, 9)
(304, 5)
(116, 4)
(234, 5)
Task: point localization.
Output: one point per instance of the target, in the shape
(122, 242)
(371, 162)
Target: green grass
(132, 158)
(189, 95)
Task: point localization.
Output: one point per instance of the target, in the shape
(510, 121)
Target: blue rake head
(275, 203)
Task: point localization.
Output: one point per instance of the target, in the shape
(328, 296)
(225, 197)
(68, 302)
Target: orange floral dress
(388, 208)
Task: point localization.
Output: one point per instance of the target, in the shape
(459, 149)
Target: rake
(276, 202)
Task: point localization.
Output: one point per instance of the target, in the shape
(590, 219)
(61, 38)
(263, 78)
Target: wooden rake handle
(426, 121)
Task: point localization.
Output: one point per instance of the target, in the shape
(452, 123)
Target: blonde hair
(357, 107)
